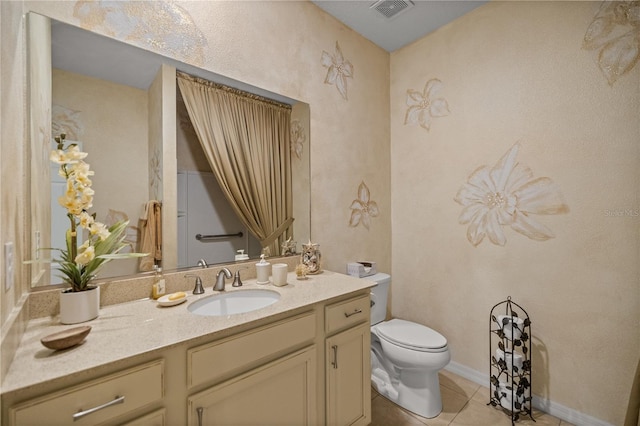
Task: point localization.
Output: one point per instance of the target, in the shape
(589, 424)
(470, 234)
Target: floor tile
(374, 392)
(541, 418)
(464, 403)
(477, 414)
(386, 413)
(458, 384)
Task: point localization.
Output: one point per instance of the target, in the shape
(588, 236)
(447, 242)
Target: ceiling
(408, 21)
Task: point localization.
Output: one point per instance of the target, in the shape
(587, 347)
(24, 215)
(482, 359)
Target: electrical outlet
(8, 266)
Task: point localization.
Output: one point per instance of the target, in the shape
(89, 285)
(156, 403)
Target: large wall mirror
(121, 104)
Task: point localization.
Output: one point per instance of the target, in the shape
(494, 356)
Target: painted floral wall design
(363, 208)
(298, 137)
(160, 26)
(507, 194)
(339, 69)
(615, 34)
(155, 174)
(131, 234)
(424, 106)
(68, 121)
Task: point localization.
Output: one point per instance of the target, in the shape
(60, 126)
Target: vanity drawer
(218, 359)
(117, 394)
(345, 314)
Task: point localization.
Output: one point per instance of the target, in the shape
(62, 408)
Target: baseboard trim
(557, 410)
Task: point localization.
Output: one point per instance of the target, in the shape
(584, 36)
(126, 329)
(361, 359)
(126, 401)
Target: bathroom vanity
(303, 360)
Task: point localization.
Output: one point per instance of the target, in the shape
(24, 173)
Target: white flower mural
(339, 69)
(423, 107)
(507, 194)
(363, 208)
(615, 34)
(298, 138)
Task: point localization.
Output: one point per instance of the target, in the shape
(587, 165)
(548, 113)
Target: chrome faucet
(202, 263)
(222, 273)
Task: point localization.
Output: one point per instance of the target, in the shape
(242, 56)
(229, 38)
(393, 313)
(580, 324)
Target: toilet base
(420, 393)
(416, 391)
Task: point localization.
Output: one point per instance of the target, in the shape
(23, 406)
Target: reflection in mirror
(112, 112)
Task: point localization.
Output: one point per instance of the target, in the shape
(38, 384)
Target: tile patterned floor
(464, 403)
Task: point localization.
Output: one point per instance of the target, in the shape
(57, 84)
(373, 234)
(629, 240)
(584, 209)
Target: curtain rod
(232, 90)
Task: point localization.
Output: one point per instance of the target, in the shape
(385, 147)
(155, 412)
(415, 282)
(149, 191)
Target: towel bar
(203, 238)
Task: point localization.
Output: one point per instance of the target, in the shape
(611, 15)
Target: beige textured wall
(278, 46)
(113, 119)
(516, 72)
(510, 72)
(13, 181)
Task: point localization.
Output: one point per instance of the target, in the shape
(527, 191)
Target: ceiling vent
(391, 8)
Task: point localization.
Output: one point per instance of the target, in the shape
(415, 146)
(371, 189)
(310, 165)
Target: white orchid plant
(79, 265)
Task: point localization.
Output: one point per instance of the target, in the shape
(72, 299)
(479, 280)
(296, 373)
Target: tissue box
(361, 269)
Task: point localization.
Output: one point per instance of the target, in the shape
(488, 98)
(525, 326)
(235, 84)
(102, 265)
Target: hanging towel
(151, 235)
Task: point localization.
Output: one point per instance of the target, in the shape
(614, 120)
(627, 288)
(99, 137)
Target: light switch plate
(37, 245)
(8, 266)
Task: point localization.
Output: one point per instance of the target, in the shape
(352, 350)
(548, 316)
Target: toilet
(405, 356)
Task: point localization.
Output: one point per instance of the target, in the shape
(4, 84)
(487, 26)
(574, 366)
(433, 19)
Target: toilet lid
(411, 335)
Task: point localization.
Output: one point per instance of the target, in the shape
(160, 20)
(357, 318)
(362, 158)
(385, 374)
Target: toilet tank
(379, 296)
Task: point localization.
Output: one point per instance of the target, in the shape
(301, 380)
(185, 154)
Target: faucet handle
(237, 281)
(198, 289)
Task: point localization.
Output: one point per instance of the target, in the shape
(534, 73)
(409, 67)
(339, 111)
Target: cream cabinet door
(157, 418)
(282, 392)
(349, 377)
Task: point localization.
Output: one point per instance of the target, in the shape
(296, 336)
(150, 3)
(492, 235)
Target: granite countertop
(134, 328)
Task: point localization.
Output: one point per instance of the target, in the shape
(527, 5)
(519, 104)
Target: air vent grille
(391, 8)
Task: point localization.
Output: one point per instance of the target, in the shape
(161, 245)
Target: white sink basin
(234, 302)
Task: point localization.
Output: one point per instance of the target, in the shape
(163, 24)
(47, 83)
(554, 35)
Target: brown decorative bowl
(66, 339)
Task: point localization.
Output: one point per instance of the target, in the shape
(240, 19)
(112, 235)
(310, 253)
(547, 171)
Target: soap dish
(66, 339)
(165, 301)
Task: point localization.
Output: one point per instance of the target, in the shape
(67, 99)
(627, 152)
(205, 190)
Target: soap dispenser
(263, 270)
(241, 255)
(159, 288)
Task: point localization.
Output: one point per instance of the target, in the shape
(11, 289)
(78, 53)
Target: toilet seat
(412, 336)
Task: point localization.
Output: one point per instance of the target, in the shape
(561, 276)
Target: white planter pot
(80, 306)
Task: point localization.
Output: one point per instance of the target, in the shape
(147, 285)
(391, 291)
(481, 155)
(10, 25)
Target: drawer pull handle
(334, 363)
(80, 414)
(357, 311)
